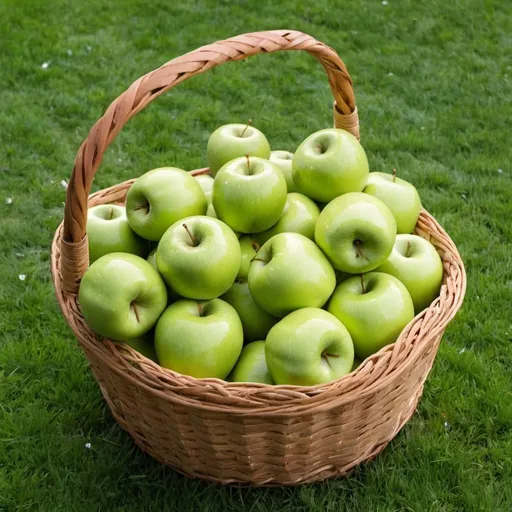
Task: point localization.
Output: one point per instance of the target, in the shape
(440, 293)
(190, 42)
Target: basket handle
(74, 252)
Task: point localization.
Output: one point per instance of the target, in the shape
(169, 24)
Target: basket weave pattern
(236, 432)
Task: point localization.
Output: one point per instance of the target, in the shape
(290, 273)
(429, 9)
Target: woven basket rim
(372, 375)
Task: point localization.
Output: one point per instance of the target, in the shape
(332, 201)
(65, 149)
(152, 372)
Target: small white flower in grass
(70, 53)
(8, 200)
(500, 171)
(88, 446)
(88, 48)
(22, 277)
(384, 2)
(45, 65)
(390, 74)
(422, 128)
(463, 196)
(64, 184)
(462, 350)
(447, 425)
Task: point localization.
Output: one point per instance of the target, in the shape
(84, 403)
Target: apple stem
(200, 308)
(248, 165)
(326, 357)
(255, 245)
(247, 126)
(190, 235)
(136, 311)
(111, 214)
(362, 284)
(142, 207)
(357, 243)
(394, 175)
(408, 250)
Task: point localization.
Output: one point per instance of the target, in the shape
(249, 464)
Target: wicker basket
(234, 432)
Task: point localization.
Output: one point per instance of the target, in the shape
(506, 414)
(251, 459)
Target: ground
(433, 82)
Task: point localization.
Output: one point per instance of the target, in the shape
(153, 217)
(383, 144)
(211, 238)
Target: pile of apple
(276, 267)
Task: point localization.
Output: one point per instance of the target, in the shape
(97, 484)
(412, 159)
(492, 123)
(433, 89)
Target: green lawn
(434, 88)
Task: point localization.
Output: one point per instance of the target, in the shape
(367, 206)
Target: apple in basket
(374, 307)
(416, 263)
(108, 230)
(121, 296)
(161, 197)
(309, 346)
(252, 365)
(356, 231)
(233, 141)
(249, 194)
(399, 196)
(329, 163)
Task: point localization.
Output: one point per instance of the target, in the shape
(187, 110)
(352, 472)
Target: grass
(433, 83)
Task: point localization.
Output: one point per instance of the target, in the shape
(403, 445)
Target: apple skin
(121, 296)
(108, 231)
(249, 196)
(399, 196)
(308, 347)
(256, 322)
(299, 216)
(416, 263)
(356, 231)
(290, 272)
(206, 182)
(283, 159)
(248, 249)
(204, 271)
(227, 143)
(161, 197)
(251, 365)
(375, 318)
(145, 345)
(330, 163)
(172, 296)
(200, 339)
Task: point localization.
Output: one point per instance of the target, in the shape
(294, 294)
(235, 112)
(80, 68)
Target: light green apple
(121, 296)
(200, 339)
(308, 347)
(199, 257)
(108, 231)
(299, 216)
(145, 345)
(206, 182)
(249, 194)
(374, 308)
(256, 322)
(172, 296)
(161, 197)
(290, 272)
(248, 249)
(283, 159)
(329, 163)
(251, 365)
(210, 211)
(356, 231)
(399, 196)
(233, 141)
(416, 263)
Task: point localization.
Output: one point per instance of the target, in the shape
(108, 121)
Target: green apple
(283, 159)
(200, 339)
(299, 216)
(416, 263)
(356, 231)
(256, 322)
(308, 347)
(248, 249)
(145, 345)
(249, 194)
(121, 296)
(290, 272)
(399, 196)
(108, 231)
(210, 211)
(206, 182)
(172, 296)
(329, 163)
(161, 197)
(251, 365)
(374, 307)
(233, 141)
(199, 257)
